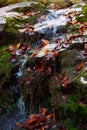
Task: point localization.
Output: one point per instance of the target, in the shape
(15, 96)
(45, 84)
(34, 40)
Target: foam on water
(55, 18)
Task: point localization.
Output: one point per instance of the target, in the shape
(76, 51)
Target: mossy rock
(62, 3)
(83, 16)
(34, 7)
(5, 63)
(81, 88)
(12, 24)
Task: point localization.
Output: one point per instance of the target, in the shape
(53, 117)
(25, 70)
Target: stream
(54, 20)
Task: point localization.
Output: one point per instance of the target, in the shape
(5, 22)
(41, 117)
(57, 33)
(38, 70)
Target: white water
(56, 18)
(21, 106)
(6, 12)
(19, 73)
(83, 80)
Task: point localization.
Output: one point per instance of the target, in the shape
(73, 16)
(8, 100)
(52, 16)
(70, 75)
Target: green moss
(5, 64)
(6, 2)
(35, 7)
(61, 3)
(13, 24)
(74, 29)
(83, 111)
(83, 16)
(74, 98)
(72, 106)
(1, 102)
(70, 124)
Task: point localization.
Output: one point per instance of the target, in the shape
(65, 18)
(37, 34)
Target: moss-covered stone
(5, 64)
(83, 16)
(14, 23)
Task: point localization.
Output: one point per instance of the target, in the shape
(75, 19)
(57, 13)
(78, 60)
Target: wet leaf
(46, 51)
(22, 30)
(74, 22)
(18, 45)
(48, 71)
(66, 83)
(44, 42)
(79, 67)
(56, 53)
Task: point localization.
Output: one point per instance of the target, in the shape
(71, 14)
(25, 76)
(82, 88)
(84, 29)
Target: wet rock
(54, 6)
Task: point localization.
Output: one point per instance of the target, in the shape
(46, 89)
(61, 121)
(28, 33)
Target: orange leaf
(56, 53)
(33, 120)
(48, 71)
(13, 52)
(46, 51)
(11, 48)
(53, 116)
(74, 22)
(39, 69)
(85, 46)
(18, 45)
(79, 67)
(66, 83)
(44, 42)
(44, 111)
(57, 77)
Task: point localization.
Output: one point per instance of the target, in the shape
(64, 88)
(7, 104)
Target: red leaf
(66, 83)
(48, 71)
(56, 53)
(44, 42)
(58, 78)
(79, 67)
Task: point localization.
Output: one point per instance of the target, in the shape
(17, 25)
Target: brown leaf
(57, 77)
(66, 83)
(56, 53)
(74, 22)
(18, 45)
(44, 111)
(39, 68)
(22, 30)
(79, 67)
(29, 80)
(46, 51)
(13, 52)
(44, 42)
(54, 116)
(48, 71)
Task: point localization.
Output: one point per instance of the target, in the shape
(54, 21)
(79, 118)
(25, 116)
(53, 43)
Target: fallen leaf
(13, 52)
(66, 83)
(22, 30)
(74, 22)
(44, 42)
(11, 48)
(56, 53)
(48, 71)
(46, 51)
(54, 116)
(18, 45)
(79, 67)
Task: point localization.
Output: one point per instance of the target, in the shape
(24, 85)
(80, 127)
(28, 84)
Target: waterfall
(19, 73)
(54, 30)
(21, 106)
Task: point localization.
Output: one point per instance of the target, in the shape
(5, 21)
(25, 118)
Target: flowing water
(21, 106)
(54, 20)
